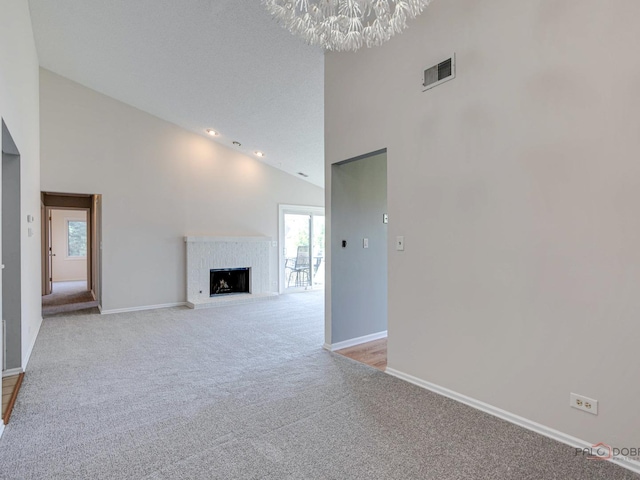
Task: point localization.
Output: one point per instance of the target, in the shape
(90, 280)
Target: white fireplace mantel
(205, 253)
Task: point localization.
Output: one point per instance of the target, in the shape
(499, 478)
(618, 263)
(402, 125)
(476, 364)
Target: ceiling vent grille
(440, 73)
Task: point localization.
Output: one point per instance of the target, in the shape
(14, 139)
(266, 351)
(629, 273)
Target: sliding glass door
(302, 248)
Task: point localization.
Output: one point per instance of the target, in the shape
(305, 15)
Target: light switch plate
(400, 243)
(385, 218)
(365, 243)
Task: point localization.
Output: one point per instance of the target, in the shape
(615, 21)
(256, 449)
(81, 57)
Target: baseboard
(355, 341)
(561, 437)
(139, 309)
(27, 357)
(11, 372)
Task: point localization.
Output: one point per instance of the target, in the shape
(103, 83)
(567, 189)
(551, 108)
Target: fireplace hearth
(229, 281)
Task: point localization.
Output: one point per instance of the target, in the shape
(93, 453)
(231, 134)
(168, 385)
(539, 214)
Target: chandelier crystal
(345, 25)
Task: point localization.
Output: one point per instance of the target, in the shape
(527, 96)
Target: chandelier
(345, 25)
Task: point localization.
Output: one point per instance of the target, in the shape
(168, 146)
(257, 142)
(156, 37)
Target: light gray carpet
(247, 392)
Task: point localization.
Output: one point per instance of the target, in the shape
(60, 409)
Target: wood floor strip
(12, 400)
(373, 353)
(10, 382)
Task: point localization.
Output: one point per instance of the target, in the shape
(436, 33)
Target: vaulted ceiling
(220, 64)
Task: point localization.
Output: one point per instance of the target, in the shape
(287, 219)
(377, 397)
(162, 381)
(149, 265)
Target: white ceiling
(221, 64)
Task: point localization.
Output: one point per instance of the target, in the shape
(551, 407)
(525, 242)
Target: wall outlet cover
(583, 403)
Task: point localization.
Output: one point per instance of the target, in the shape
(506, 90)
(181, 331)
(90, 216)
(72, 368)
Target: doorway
(70, 239)
(302, 237)
(359, 252)
(10, 284)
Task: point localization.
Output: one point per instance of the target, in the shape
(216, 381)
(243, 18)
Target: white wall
(517, 188)
(66, 269)
(19, 109)
(159, 183)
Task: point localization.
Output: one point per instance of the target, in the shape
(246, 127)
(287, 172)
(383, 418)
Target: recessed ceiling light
(237, 144)
(211, 132)
(303, 174)
(259, 154)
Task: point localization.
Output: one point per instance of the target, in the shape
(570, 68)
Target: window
(76, 238)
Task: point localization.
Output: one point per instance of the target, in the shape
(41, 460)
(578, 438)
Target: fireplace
(229, 281)
(208, 255)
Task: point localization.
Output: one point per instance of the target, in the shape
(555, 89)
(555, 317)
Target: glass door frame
(295, 210)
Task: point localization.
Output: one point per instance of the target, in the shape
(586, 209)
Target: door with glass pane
(317, 253)
(302, 239)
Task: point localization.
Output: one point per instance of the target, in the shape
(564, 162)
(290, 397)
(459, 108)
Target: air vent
(440, 73)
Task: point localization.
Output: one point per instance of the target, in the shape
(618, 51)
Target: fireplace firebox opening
(228, 281)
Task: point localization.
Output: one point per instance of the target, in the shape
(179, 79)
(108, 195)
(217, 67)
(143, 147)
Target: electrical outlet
(583, 403)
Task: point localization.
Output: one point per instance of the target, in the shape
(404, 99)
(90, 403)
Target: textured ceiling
(221, 64)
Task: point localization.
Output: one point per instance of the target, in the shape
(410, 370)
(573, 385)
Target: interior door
(48, 289)
(90, 235)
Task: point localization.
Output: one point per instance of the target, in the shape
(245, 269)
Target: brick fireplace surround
(206, 253)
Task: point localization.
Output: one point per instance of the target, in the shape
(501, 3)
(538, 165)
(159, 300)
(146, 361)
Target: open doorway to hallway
(71, 253)
(359, 251)
(10, 248)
